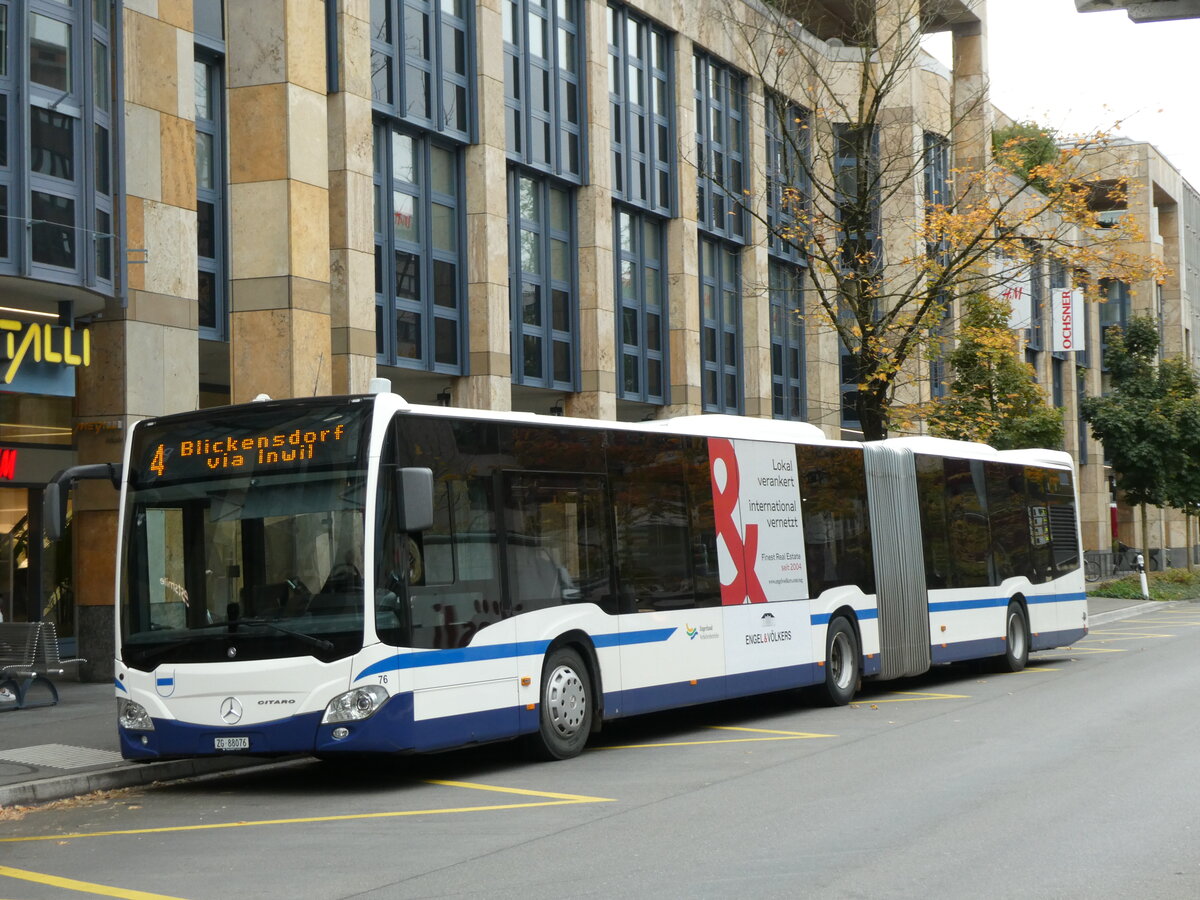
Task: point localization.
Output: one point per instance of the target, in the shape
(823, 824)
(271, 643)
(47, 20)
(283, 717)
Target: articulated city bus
(360, 575)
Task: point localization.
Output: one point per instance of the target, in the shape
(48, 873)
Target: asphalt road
(1075, 778)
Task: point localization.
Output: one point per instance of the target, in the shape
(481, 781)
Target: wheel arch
(581, 642)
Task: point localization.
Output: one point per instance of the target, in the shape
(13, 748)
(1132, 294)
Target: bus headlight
(353, 706)
(133, 716)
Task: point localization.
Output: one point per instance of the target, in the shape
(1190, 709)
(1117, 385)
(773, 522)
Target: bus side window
(837, 529)
(1009, 521)
(967, 522)
(931, 498)
(557, 542)
(652, 546)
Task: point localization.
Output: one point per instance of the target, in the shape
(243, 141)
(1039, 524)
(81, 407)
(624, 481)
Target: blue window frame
(789, 398)
(1080, 422)
(719, 93)
(543, 86)
(58, 110)
(856, 170)
(641, 274)
(1114, 313)
(422, 64)
(419, 289)
(720, 326)
(211, 233)
(545, 311)
(938, 372)
(789, 187)
(641, 95)
(849, 379)
(937, 188)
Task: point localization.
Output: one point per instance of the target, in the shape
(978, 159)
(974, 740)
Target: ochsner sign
(1066, 320)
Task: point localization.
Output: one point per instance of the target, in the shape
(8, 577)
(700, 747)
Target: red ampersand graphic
(725, 503)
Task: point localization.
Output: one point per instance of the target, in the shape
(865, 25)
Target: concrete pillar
(279, 200)
(489, 386)
(597, 396)
(683, 272)
(351, 206)
(756, 293)
(144, 355)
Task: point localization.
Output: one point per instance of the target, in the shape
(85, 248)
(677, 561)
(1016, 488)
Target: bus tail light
(356, 705)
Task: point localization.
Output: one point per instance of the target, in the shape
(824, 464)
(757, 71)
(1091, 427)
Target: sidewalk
(52, 752)
(70, 749)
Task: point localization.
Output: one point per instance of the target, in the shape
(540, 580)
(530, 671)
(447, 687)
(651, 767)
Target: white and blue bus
(360, 575)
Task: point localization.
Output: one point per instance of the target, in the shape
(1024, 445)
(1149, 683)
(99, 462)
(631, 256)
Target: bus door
(899, 560)
(464, 667)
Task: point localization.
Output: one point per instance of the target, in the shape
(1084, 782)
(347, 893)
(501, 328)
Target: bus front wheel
(1016, 639)
(566, 708)
(843, 664)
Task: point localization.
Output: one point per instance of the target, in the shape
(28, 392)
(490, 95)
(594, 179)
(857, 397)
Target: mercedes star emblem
(231, 710)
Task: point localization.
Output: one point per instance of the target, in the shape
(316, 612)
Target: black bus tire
(1016, 639)
(566, 708)
(843, 664)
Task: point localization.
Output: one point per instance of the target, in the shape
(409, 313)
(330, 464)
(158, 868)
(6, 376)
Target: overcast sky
(1082, 71)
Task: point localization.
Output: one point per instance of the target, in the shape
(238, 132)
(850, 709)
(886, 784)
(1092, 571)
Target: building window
(938, 351)
(57, 106)
(1080, 421)
(1114, 313)
(641, 95)
(641, 306)
(422, 68)
(856, 170)
(788, 184)
(542, 279)
(418, 252)
(543, 90)
(788, 395)
(720, 327)
(720, 147)
(937, 191)
(212, 274)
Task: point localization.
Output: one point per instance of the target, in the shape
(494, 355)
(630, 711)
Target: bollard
(1141, 567)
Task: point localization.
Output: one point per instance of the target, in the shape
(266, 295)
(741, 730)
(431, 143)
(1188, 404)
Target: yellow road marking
(70, 884)
(1034, 669)
(574, 798)
(911, 696)
(798, 734)
(767, 735)
(1128, 634)
(1144, 621)
(1077, 650)
(551, 800)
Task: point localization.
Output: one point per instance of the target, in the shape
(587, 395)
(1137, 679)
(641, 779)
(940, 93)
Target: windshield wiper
(319, 643)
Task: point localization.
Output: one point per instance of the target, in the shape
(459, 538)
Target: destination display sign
(222, 446)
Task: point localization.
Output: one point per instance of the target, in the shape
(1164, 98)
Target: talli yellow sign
(42, 343)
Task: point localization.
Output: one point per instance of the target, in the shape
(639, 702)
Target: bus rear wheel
(1016, 639)
(566, 708)
(843, 664)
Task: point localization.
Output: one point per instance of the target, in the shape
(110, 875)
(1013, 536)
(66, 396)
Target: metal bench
(28, 657)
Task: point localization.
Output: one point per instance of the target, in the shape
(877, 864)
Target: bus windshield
(244, 535)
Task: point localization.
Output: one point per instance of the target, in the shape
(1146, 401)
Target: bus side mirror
(54, 494)
(414, 500)
(54, 510)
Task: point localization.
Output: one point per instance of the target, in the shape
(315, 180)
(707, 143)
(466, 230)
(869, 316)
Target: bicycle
(1091, 570)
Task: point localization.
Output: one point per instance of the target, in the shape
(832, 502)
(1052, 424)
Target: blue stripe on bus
(956, 605)
(120, 687)
(823, 618)
(164, 682)
(425, 658)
